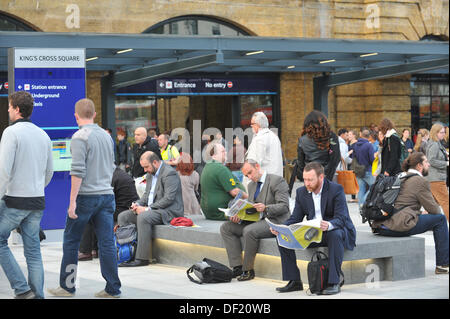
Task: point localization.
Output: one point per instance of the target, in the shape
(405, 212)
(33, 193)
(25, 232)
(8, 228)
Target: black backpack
(210, 271)
(318, 273)
(381, 197)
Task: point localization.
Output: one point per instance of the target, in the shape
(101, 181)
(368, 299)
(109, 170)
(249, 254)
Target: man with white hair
(265, 147)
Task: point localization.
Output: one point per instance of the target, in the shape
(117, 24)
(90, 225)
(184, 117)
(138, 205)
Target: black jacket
(124, 190)
(309, 152)
(148, 145)
(390, 155)
(123, 153)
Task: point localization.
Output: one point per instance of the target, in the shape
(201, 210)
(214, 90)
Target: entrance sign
(204, 86)
(56, 78)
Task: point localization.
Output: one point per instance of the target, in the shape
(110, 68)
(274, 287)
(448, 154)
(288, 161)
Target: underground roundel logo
(230, 84)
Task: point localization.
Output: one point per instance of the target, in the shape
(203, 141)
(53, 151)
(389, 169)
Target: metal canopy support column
(320, 90)
(108, 104)
(126, 78)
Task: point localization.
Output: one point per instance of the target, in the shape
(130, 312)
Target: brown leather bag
(348, 180)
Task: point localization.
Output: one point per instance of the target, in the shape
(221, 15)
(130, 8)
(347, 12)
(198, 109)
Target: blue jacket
(334, 209)
(363, 150)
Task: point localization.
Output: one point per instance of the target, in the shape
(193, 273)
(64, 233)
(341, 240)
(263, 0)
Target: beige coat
(415, 192)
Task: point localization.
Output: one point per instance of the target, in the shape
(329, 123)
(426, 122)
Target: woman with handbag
(438, 157)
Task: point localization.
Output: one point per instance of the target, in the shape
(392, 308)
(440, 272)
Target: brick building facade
(351, 106)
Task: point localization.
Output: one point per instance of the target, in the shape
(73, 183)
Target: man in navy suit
(323, 199)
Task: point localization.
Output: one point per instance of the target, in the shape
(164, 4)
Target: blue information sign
(56, 78)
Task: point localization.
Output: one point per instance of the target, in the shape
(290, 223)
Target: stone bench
(386, 258)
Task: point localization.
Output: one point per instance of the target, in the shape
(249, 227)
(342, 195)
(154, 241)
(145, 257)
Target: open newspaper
(293, 236)
(239, 208)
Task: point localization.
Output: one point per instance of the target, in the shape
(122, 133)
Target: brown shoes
(84, 257)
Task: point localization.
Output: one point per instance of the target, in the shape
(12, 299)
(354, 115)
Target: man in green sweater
(218, 184)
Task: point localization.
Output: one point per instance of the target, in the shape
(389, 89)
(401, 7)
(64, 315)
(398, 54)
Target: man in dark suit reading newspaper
(325, 200)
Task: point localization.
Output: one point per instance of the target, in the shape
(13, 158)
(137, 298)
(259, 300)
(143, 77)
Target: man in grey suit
(271, 194)
(162, 201)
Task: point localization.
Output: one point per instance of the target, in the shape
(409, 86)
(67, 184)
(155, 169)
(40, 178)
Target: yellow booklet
(293, 236)
(239, 208)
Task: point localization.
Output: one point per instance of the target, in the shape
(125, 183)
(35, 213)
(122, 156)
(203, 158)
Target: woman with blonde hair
(422, 138)
(438, 158)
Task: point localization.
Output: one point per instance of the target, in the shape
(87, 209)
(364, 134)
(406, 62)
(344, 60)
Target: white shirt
(265, 148)
(262, 180)
(343, 147)
(412, 170)
(317, 208)
(151, 195)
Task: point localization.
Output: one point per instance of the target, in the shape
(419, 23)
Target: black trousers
(88, 241)
(334, 240)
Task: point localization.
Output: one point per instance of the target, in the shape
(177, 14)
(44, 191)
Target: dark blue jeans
(436, 223)
(99, 209)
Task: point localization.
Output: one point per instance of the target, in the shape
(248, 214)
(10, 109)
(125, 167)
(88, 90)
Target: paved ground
(159, 281)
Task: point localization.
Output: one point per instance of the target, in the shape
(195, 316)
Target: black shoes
(332, 290)
(293, 285)
(247, 275)
(135, 263)
(237, 271)
(243, 275)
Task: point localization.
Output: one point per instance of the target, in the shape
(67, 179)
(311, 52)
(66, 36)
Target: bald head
(150, 162)
(85, 109)
(140, 134)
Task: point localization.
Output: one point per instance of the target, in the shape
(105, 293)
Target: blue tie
(258, 189)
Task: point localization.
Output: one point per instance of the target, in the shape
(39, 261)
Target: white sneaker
(60, 292)
(441, 270)
(104, 294)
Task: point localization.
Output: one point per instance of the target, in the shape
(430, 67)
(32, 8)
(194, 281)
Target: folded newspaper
(239, 208)
(293, 236)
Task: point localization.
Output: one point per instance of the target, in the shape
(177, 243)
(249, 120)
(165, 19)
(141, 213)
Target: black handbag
(209, 271)
(318, 270)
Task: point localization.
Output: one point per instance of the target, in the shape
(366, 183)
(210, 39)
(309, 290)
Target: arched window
(196, 25)
(8, 23)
